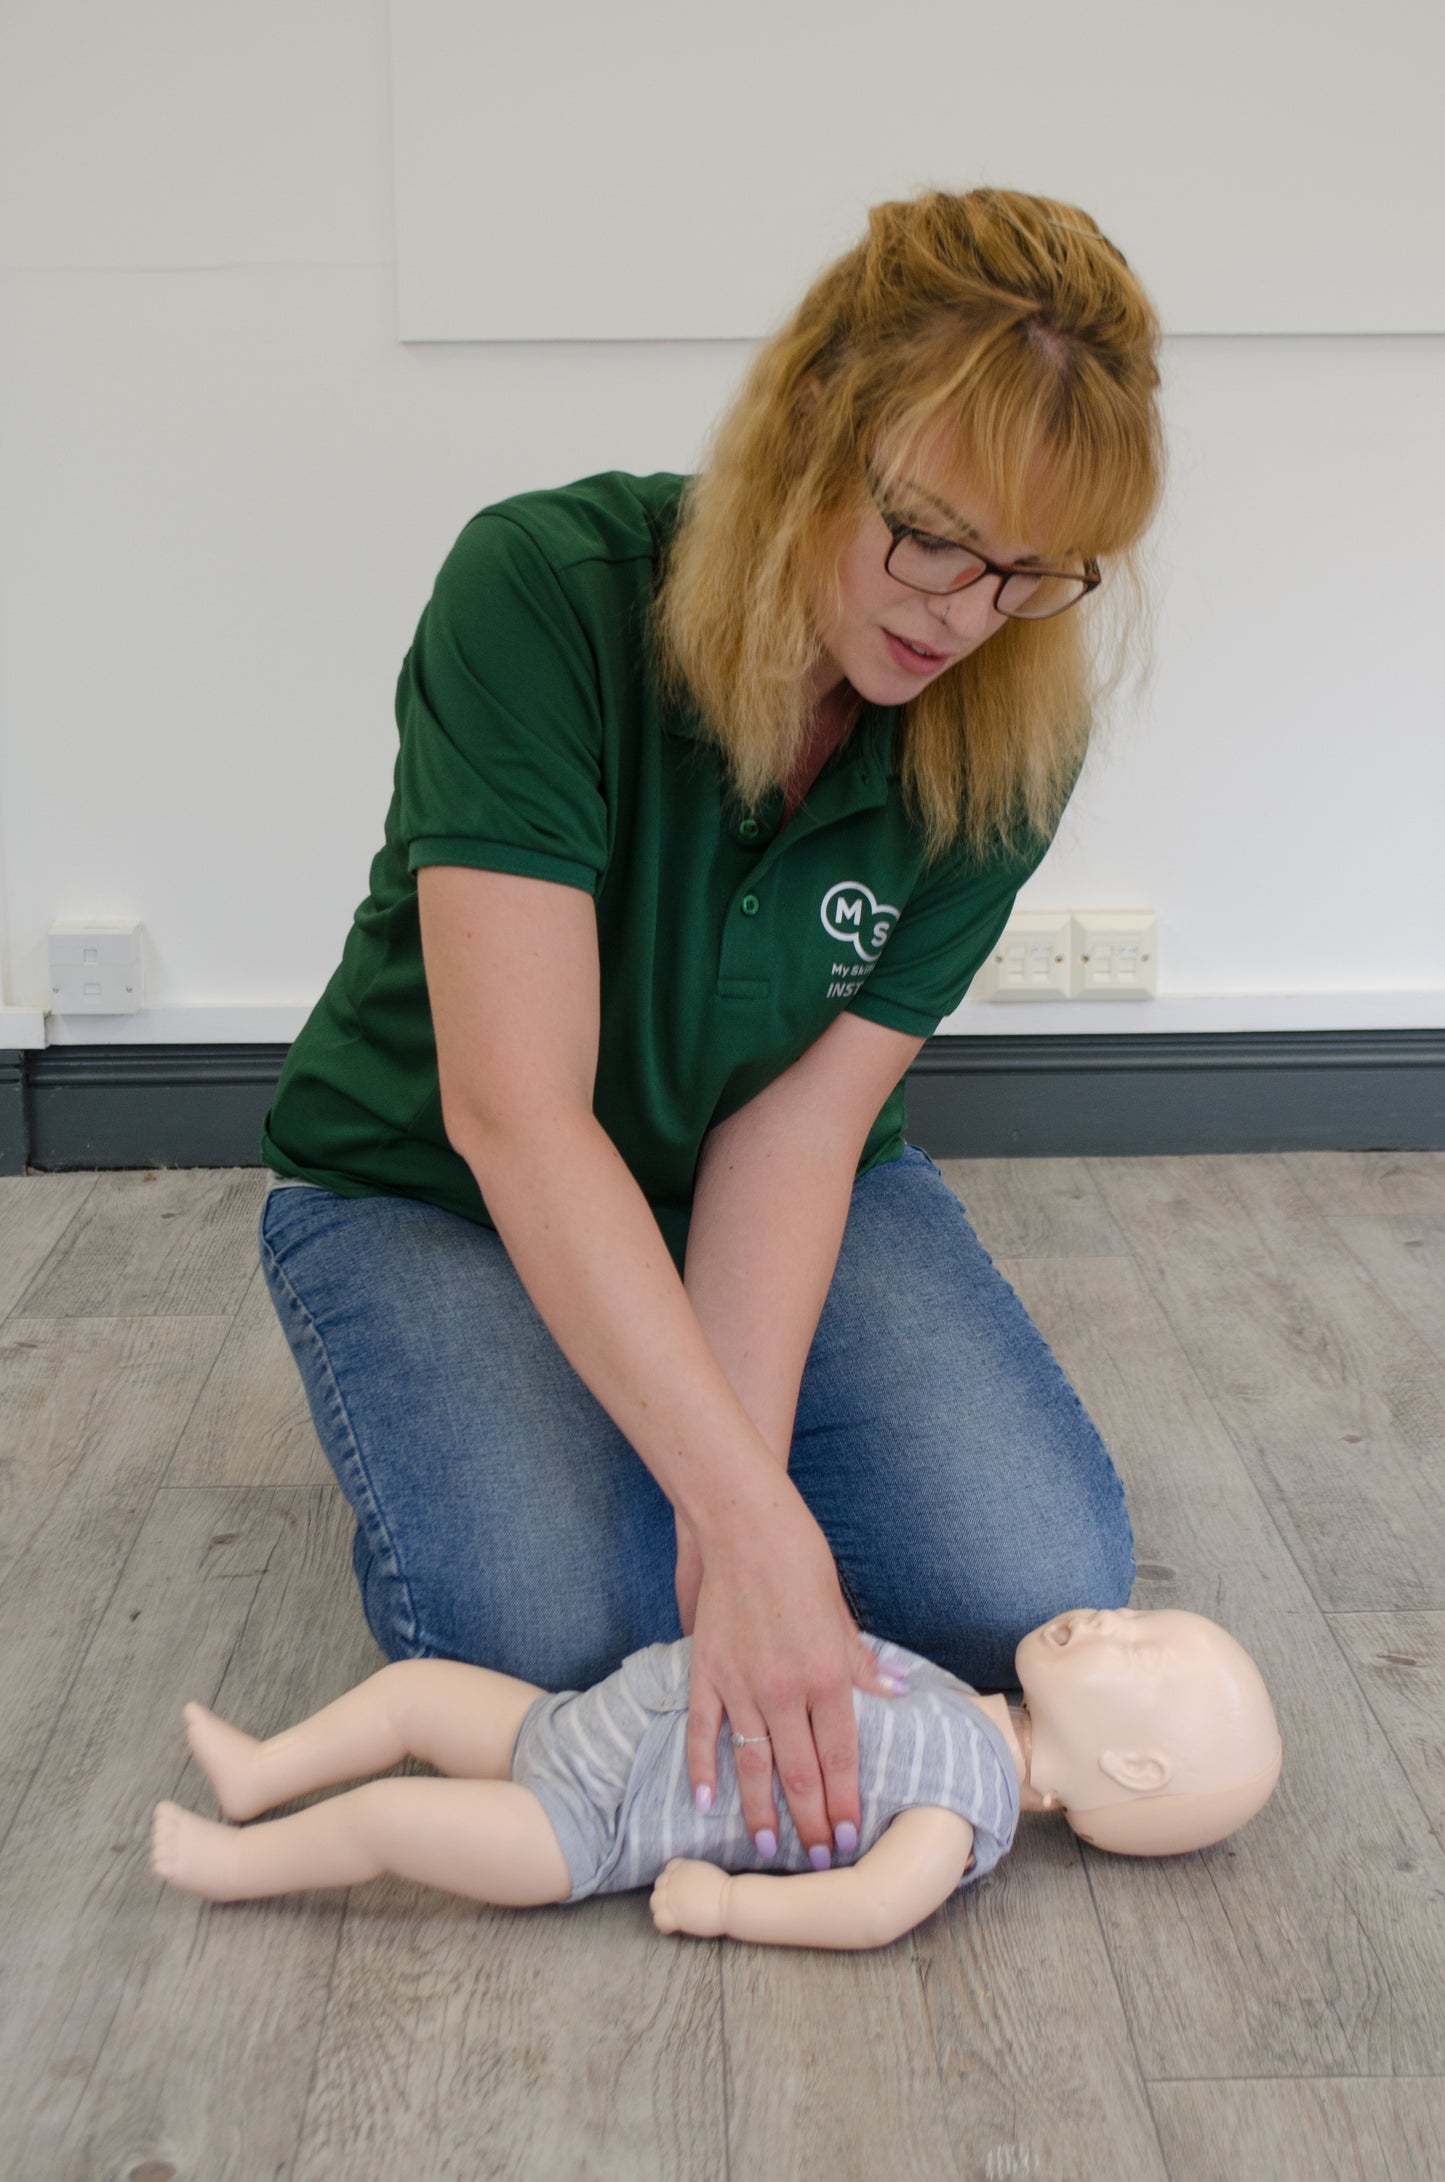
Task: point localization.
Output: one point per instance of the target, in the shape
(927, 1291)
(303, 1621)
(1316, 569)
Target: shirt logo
(853, 915)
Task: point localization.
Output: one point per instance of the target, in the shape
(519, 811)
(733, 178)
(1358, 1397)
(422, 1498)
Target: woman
(622, 1307)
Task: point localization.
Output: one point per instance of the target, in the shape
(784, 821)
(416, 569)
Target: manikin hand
(689, 1897)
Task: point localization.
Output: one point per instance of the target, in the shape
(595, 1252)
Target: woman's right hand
(776, 1654)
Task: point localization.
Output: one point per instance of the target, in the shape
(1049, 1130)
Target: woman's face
(888, 640)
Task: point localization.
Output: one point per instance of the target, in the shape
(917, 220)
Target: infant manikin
(1153, 1733)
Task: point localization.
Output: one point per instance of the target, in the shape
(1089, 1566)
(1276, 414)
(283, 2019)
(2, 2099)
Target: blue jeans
(502, 1518)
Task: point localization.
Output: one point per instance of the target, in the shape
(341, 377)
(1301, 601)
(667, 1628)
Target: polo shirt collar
(855, 778)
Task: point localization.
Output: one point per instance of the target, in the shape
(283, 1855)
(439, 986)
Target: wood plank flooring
(1262, 1342)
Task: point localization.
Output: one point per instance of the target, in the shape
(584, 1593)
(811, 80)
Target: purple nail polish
(702, 1796)
(846, 1837)
(820, 1856)
(765, 1841)
(894, 1684)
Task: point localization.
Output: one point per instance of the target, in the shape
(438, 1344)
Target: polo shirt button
(749, 905)
(749, 829)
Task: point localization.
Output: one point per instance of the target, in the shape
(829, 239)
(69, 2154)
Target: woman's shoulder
(613, 516)
(568, 564)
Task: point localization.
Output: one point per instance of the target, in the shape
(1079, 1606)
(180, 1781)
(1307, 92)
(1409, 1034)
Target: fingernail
(702, 1796)
(846, 1837)
(820, 1856)
(765, 1841)
(894, 1684)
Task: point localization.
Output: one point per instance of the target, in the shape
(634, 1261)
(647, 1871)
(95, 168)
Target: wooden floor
(1262, 1342)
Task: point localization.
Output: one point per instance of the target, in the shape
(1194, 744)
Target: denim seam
(1112, 1477)
(376, 1524)
(1111, 1484)
(1121, 1498)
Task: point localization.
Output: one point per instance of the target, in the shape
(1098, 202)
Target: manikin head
(1152, 1732)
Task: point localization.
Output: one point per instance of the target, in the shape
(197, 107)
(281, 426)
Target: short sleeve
(946, 931)
(500, 718)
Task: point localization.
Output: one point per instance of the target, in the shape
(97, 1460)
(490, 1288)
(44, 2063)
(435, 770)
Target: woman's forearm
(592, 1258)
(769, 1209)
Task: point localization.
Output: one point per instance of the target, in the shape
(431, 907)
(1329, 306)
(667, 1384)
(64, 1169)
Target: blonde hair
(1007, 331)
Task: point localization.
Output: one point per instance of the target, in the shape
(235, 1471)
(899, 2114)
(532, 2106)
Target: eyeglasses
(939, 565)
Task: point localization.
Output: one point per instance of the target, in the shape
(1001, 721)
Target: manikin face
(868, 639)
(1124, 1704)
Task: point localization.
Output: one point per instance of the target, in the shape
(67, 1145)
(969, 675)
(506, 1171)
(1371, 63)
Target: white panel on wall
(667, 170)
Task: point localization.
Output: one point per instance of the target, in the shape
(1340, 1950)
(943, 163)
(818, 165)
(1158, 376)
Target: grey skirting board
(96, 1106)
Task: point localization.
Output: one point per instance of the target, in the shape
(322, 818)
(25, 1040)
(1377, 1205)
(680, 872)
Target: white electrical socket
(1032, 959)
(1116, 954)
(95, 969)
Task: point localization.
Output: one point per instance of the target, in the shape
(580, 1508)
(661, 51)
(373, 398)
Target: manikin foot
(228, 1760)
(195, 1854)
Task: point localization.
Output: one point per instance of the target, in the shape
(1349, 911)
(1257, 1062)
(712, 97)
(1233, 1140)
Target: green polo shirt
(533, 740)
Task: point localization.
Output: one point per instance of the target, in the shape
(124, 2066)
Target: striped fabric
(609, 1766)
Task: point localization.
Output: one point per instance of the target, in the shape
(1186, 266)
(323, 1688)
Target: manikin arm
(902, 1880)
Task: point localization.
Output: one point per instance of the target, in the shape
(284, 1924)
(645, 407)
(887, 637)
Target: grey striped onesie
(609, 1766)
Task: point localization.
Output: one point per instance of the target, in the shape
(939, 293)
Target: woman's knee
(1091, 1563)
(964, 1586)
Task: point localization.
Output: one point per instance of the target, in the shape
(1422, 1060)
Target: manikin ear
(1145, 1772)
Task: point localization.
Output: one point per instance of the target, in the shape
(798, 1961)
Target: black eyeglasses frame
(898, 530)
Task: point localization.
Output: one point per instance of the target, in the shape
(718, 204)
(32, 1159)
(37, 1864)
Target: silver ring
(738, 1740)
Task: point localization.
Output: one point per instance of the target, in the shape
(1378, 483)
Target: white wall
(225, 489)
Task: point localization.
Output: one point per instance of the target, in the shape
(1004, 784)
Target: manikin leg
(462, 1720)
(488, 1839)
(476, 1833)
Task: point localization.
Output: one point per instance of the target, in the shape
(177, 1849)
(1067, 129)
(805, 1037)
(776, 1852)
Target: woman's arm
(513, 979)
(770, 1204)
(908, 1874)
